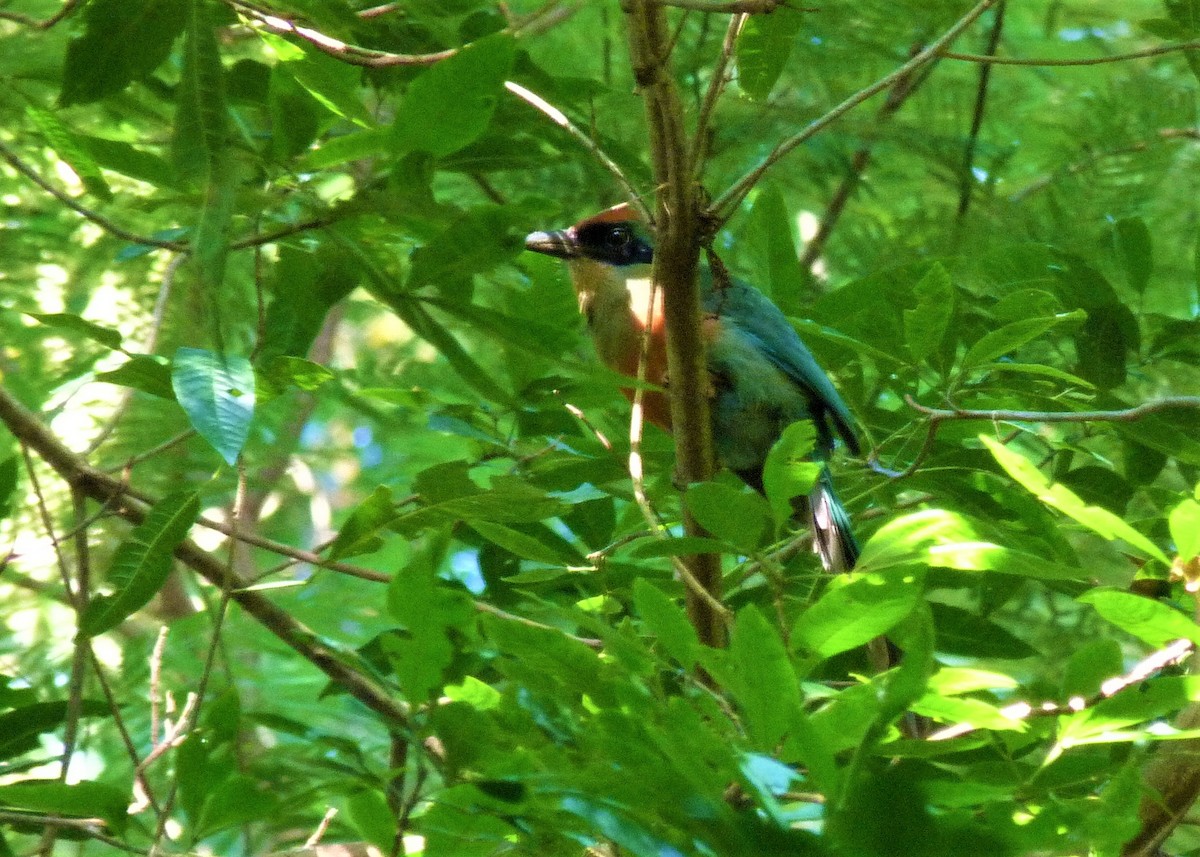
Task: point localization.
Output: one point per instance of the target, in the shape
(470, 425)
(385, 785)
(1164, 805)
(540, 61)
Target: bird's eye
(619, 238)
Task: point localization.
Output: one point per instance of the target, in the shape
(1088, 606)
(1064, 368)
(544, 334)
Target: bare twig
(727, 203)
(95, 217)
(967, 179)
(41, 23)
(89, 827)
(991, 59)
(735, 7)
(370, 58)
(1126, 415)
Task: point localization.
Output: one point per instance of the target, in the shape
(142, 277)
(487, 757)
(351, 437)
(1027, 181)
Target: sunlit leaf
(1098, 520)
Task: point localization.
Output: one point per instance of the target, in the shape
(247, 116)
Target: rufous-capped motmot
(762, 376)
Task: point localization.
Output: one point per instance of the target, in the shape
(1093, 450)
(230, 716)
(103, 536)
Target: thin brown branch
(1142, 670)
(89, 827)
(676, 262)
(41, 23)
(1126, 415)
(991, 59)
(88, 214)
(728, 202)
(367, 57)
(726, 7)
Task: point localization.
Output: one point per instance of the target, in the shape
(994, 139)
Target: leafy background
(280, 290)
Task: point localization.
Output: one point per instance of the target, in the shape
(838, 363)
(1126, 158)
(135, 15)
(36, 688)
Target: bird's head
(613, 237)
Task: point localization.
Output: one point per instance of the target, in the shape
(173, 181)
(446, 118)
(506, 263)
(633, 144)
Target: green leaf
(737, 516)
(123, 41)
(78, 800)
(1100, 521)
(451, 104)
(763, 48)
(1012, 336)
(1151, 621)
(788, 472)
(667, 621)
(857, 608)
(360, 533)
(297, 372)
(1185, 529)
(476, 242)
(682, 546)
(925, 325)
(427, 609)
(372, 818)
(142, 562)
(142, 372)
(216, 391)
(305, 285)
(766, 688)
(238, 800)
(20, 727)
(75, 324)
(967, 712)
(199, 150)
(613, 824)
(770, 224)
(944, 539)
(518, 543)
(8, 485)
(69, 148)
(1131, 240)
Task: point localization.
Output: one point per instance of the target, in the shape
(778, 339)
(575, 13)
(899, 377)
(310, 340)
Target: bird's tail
(833, 540)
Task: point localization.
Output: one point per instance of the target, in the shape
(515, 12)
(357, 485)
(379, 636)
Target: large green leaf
(789, 471)
(667, 621)
(1098, 520)
(216, 392)
(766, 687)
(452, 103)
(142, 562)
(473, 244)
(1185, 529)
(199, 151)
(857, 608)
(123, 41)
(73, 323)
(1131, 240)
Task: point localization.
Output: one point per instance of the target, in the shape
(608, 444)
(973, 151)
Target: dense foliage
(262, 277)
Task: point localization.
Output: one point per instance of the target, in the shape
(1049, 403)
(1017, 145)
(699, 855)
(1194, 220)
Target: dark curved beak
(560, 243)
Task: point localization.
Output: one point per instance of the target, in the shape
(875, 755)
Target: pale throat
(618, 303)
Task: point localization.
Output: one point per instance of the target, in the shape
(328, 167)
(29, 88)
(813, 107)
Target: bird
(762, 377)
